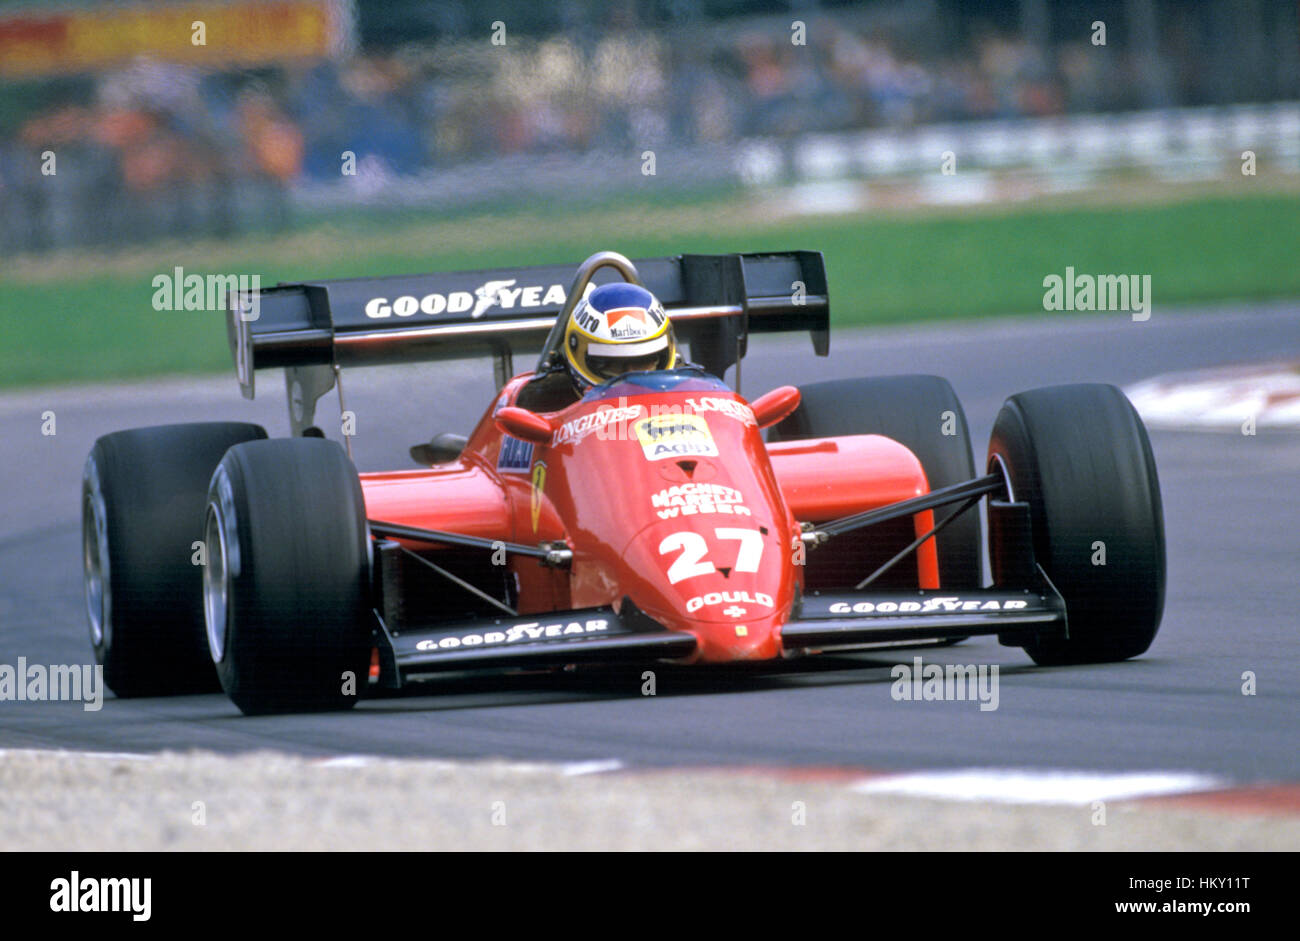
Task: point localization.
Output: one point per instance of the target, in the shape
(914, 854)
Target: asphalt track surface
(1233, 518)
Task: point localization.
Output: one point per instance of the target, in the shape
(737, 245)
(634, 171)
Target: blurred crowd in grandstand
(171, 143)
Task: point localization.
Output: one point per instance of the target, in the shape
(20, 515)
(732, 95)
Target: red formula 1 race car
(644, 520)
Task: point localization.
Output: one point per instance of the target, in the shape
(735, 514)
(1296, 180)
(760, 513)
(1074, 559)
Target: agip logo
(670, 436)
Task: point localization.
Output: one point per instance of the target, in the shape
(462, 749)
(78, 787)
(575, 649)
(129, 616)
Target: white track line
(1013, 786)
(600, 766)
(72, 753)
(567, 768)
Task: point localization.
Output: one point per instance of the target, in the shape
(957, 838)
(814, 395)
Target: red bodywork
(704, 543)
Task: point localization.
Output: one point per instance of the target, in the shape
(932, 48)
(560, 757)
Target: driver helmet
(617, 328)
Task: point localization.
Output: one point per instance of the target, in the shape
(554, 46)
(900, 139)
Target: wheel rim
(94, 553)
(996, 464)
(216, 584)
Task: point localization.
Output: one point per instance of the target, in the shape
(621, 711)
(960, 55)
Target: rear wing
(714, 301)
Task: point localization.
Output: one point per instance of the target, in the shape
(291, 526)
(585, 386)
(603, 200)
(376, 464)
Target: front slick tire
(1080, 457)
(286, 593)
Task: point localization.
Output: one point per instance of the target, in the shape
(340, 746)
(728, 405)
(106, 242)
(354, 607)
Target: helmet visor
(610, 367)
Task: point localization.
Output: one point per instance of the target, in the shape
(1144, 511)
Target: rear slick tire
(142, 496)
(915, 411)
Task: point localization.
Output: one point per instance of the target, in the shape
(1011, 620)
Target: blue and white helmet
(617, 328)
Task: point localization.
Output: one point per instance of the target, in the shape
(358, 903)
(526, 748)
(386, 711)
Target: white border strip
(1222, 399)
(72, 753)
(988, 785)
(1028, 786)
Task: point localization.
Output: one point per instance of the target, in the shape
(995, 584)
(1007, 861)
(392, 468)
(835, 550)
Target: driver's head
(616, 329)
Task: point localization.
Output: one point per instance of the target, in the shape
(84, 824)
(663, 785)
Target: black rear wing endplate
(714, 302)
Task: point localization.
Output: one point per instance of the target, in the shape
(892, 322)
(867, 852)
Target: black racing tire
(287, 587)
(143, 493)
(1079, 455)
(912, 410)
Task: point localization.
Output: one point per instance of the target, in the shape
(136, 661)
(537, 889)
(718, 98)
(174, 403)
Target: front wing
(822, 622)
(830, 620)
(589, 635)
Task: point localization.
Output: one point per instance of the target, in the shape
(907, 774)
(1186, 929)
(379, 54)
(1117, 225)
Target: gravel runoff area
(271, 801)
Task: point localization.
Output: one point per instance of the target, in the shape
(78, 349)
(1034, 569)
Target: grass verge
(89, 317)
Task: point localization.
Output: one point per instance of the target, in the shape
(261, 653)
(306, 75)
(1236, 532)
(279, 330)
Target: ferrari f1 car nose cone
(725, 579)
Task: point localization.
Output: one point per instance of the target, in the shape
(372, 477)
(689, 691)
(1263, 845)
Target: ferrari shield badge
(539, 484)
